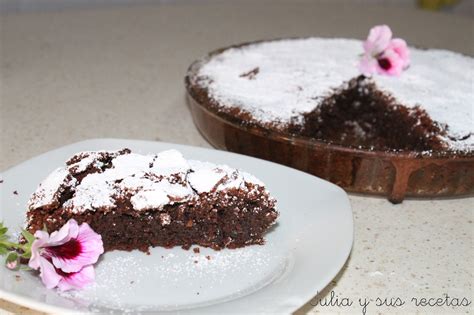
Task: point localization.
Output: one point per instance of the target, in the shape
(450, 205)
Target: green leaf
(3, 230)
(3, 250)
(2, 226)
(26, 255)
(30, 238)
(12, 256)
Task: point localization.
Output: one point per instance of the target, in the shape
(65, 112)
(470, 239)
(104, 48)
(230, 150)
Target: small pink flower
(12, 264)
(65, 257)
(382, 54)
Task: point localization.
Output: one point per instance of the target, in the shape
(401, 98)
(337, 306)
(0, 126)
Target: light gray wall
(464, 7)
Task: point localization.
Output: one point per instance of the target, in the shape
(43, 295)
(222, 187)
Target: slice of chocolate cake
(136, 201)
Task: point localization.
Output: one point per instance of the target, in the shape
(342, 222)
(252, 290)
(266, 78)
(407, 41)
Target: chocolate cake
(311, 88)
(136, 201)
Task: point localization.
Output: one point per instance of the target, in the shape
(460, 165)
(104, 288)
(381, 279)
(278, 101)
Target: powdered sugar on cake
(278, 81)
(48, 191)
(151, 181)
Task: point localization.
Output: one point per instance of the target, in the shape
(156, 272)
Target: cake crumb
(132, 282)
(208, 257)
(251, 74)
(196, 250)
(17, 277)
(15, 192)
(1, 181)
(195, 261)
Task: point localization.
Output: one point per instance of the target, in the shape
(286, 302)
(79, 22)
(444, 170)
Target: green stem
(14, 245)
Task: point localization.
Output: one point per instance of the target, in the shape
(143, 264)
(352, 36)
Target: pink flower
(65, 257)
(378, 39)
(53, 277)
(382, 54)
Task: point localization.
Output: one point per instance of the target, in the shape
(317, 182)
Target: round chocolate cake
(312, 89)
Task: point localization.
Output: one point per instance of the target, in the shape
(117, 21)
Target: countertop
(118, 72)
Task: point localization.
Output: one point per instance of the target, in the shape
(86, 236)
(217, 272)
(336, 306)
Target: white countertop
(73, 75)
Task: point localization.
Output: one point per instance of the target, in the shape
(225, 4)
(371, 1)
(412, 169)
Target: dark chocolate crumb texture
(139, 201)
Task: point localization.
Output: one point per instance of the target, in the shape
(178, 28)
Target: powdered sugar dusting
(95, 191)
(208, 177)
(158, 194)
(88, 158)
(294, 75)
(147, 199)
(47, 192)
(179, 279)
(129, 164)
(170, 162)
(150, 181)
(252, 179)
(204, 180)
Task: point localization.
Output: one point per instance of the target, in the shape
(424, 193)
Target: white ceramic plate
(303, 252)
